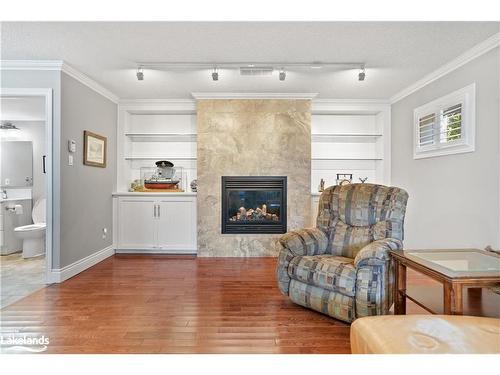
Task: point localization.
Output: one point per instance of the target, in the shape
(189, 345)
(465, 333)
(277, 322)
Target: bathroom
(23, 196)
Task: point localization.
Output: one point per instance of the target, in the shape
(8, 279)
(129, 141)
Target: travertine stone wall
(251, 138)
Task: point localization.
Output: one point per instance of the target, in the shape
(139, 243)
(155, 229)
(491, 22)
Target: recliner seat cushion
(330, 272)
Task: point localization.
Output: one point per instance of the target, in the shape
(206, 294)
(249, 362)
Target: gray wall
(52, 80)
(86, 200)
(454, 199)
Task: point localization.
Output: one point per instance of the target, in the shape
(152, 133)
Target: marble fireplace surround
(251, 137)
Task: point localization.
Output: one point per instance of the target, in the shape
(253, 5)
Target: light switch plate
(70, 159)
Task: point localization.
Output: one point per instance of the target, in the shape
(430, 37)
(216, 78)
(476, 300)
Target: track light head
(282, 74)
(362, 74)
(140, 74)
(215, 75)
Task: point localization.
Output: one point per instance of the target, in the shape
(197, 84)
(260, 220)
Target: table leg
(452, 299)
(400, 289)
(458, 305)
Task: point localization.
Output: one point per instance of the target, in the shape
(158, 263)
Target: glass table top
(458, 263)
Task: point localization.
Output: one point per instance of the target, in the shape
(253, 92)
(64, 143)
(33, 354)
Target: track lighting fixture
(362, 74)
(250, 68)
(140, 74)
(215, 75)
(282, 74)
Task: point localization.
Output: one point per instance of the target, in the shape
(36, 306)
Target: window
(446, 125)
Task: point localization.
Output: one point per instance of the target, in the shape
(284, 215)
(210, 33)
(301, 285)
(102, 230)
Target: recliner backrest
(354, 215)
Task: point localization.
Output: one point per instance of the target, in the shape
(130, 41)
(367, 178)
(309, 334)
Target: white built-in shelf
(162, 137)
(346, 158)
(21, 119)
(355, 137)
(159, 157)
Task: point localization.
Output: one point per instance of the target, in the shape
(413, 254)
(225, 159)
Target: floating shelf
(161, 137)
(346, 158)
(158, 158)
(344, 137)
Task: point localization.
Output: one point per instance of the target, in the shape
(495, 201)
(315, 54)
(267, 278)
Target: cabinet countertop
(148, 194)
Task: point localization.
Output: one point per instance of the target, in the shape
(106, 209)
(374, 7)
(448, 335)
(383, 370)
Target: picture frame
(94, 149)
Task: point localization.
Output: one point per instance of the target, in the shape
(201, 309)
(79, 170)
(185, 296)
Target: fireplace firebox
(252, 204)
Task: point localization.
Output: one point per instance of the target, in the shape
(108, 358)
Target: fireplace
(253, 204)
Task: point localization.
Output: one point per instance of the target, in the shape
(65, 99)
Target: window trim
(465, 96)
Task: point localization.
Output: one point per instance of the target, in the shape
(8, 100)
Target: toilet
(33, 235)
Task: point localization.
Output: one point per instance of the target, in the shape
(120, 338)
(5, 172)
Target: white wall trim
(253, 95)
(473, 53)
(357, 106)
(148, 105)
(58, 65)
(47, 94)
(61, 274)
(89, 82)
(31, 64)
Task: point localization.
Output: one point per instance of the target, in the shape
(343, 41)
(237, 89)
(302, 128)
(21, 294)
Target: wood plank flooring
(173, 304)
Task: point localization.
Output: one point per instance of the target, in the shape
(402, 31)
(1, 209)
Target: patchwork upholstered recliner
(342, 267)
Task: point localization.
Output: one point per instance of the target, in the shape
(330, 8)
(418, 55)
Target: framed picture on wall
(94, 149)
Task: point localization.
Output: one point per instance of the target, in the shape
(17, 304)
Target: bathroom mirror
(16, 164)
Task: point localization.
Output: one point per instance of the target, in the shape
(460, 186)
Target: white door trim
(47, 94)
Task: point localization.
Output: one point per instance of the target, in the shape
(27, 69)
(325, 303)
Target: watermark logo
(30, 344)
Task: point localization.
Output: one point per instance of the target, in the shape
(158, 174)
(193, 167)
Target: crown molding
(89, 82)
(473, 53)
(58, 65)
(31, 64)
(253, 95)
(357, 106)
(158, 105)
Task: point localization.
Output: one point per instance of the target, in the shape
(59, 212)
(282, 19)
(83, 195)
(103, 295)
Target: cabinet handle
(155, 210)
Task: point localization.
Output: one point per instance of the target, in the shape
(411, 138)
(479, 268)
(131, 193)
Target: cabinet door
(177, 225)
(137, 225)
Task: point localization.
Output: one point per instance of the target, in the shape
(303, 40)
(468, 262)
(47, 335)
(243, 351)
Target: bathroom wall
(251, 138)
(86, 200)
(35, 132)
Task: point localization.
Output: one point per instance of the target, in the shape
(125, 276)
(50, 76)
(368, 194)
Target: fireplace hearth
(254, 204)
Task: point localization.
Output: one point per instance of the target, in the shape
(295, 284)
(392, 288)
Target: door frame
(46, 93)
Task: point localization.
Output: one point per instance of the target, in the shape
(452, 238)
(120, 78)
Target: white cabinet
(148, 224)
(136, 227)
(177, 224)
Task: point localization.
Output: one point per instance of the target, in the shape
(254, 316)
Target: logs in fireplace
(253, 204)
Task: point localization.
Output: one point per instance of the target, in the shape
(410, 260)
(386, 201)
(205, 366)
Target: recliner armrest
(309, 241)
(377, 252)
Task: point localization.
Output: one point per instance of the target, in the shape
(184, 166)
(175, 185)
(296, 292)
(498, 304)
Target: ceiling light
(362, 74)
(140, 74)
(282, 74)
(215, 75)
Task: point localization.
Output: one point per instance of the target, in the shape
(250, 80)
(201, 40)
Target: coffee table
(454, 268)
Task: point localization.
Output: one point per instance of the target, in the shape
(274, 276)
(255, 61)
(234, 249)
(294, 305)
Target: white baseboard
(157, 251)
(61, 274)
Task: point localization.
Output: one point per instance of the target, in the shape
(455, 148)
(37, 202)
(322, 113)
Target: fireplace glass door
(253, 204)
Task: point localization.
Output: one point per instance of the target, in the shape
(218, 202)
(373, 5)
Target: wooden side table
(453, 268)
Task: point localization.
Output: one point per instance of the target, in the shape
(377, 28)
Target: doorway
(26, 178)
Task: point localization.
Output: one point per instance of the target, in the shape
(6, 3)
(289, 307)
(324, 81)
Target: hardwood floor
(173, 304)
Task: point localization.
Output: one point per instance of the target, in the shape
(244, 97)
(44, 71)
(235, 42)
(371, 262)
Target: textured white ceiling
(396, 53)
